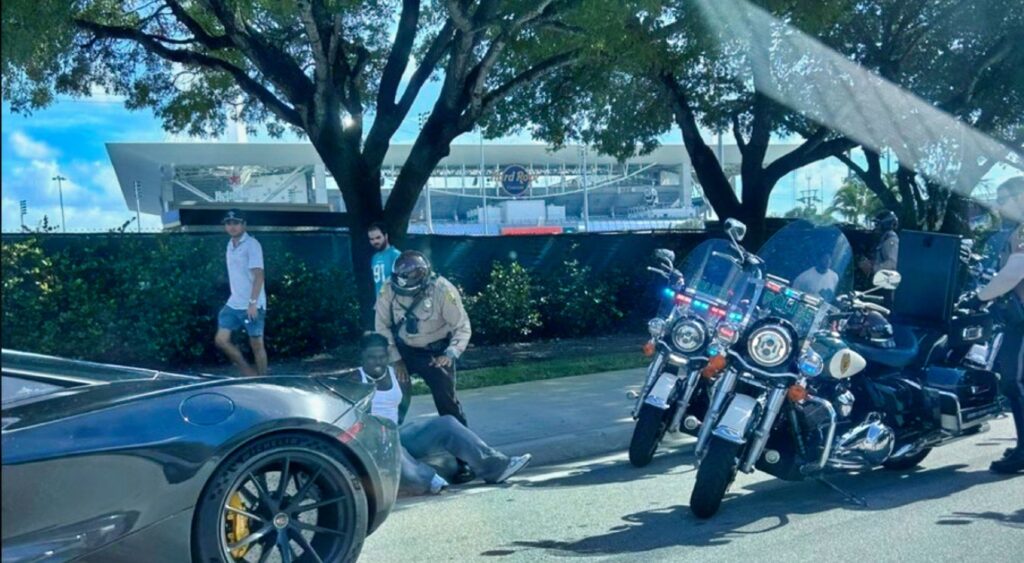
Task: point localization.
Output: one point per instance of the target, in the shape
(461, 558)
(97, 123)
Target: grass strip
(536, 371)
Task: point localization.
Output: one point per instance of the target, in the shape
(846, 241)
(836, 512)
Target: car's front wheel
(287, 498)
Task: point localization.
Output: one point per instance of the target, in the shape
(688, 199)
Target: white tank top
(385, 403)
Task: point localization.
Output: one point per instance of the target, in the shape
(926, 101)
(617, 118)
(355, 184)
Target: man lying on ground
(419, 439)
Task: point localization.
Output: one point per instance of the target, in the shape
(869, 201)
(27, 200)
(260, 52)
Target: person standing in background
(1007, 287)
(383, 261)
(247, 306)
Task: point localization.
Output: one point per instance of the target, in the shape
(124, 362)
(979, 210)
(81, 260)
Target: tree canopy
(344, 73)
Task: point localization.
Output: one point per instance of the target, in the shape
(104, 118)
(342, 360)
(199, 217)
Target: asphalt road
(951, 508)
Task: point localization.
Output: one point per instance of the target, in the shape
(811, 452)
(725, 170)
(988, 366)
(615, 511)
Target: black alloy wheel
(287, 499)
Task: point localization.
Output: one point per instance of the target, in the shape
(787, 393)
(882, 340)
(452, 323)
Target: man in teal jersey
(384, 258)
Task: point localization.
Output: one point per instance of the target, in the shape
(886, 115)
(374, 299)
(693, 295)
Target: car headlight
(688, 335)
(769, 345)
(656, 327)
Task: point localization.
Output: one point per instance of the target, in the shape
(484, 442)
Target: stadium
(477, 190)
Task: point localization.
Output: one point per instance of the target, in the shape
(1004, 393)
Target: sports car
(113, 463)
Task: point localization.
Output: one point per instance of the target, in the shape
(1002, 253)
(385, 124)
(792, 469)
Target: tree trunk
(757, 189)
(359, 221)
(910, 216)
(360, 188)
(955, 221)
(432, 145)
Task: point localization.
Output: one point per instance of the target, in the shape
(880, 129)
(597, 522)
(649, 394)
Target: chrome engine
(866, 445)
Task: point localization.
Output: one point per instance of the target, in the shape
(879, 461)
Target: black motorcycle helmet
(872, 329)
(411, 273)
(886, 221)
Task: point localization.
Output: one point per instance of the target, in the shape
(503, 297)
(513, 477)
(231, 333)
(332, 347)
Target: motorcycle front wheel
(714, 476)
(651, 425)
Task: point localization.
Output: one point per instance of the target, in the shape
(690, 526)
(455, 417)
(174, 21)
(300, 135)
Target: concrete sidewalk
(556, 420)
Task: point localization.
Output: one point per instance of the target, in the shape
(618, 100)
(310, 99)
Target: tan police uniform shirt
(439, 314)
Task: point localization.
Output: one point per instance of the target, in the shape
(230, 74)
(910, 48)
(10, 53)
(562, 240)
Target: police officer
(427, 328)
(887, 250)
(1008, 287)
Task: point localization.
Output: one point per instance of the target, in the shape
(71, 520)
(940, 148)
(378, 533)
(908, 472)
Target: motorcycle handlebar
(870, 307)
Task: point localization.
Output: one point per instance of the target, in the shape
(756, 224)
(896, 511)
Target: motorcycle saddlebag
(961, 398)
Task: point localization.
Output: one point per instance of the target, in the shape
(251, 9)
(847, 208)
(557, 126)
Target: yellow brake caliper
(237, 526)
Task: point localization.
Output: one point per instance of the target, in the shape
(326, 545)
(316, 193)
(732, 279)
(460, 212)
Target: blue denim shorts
(235, 319)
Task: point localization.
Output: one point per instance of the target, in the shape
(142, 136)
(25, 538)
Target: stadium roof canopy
(148, 163)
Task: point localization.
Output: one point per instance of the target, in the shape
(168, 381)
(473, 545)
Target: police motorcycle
(797, 401)
(699, 305)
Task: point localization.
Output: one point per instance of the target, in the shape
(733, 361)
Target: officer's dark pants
(441, 381)
(1010, 364)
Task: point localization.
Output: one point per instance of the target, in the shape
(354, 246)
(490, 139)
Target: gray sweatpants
(444, 434)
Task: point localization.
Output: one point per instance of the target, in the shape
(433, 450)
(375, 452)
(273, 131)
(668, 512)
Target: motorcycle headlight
(769, 345)
(656, 327)
(688, 335)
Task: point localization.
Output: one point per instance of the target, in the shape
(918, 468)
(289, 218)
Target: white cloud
(99, 94)
(27, 147)
(91, 195)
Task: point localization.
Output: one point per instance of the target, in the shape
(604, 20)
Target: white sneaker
(437, 484)
(514, 466)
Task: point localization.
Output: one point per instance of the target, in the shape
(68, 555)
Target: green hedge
(121, 300)
(507, 309)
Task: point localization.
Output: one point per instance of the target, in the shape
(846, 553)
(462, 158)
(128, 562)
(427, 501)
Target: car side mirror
(886, 279)
(735, 229)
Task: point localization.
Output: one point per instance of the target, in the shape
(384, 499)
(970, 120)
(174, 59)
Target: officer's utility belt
(436, 347)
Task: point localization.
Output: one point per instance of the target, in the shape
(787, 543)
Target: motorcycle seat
(898, 357)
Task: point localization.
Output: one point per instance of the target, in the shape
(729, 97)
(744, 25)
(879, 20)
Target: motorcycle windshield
(808, 267)
(714, 280)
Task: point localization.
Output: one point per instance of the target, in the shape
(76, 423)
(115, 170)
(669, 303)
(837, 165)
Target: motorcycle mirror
(665, 255)
(887, 279)
(735, 229)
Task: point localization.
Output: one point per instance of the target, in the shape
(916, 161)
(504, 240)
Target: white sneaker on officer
(437, 484)
(515, 464)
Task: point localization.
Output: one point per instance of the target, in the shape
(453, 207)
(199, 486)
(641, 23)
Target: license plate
(658, 396)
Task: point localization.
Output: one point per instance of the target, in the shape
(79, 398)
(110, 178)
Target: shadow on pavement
(1015, 520)
(678, 461)
(770, 507)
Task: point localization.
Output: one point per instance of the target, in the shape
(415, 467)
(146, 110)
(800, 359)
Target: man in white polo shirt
(247, 306)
